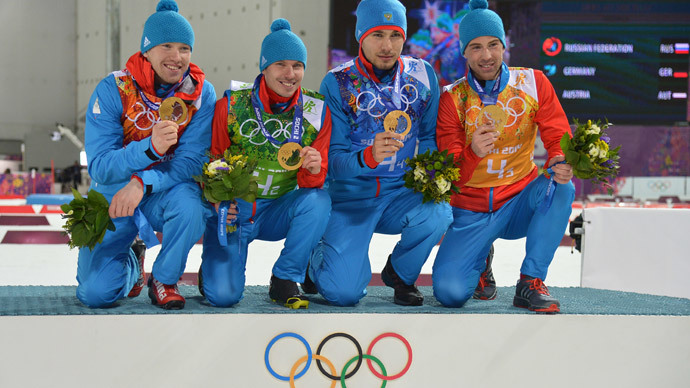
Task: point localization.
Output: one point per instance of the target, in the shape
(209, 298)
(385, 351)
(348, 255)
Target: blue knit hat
(166, 26)
(379, 13)
(282, 44)
(480, 21)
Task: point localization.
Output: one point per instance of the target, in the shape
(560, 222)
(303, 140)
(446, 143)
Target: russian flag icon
(682, 48)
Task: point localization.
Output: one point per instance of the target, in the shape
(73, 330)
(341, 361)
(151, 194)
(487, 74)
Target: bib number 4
(502, 172)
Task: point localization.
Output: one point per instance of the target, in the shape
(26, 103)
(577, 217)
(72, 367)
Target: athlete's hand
(164, 135)
(311, 159)
(232, 211)
(483, 139)
(562, 173)
(386, 144)
(126, 200)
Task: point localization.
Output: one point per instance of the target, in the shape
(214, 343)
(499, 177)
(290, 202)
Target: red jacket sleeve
(306, 179)
(550, 117)
(220, 140)
(451, 136)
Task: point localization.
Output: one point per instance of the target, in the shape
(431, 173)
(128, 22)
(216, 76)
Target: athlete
(148, 128)
(264, 120)
(489, 121)
(384, 107)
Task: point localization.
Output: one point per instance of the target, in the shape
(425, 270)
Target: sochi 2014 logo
(356, 359)
(552, 46)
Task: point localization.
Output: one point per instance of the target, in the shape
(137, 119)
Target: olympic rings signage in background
(333, 375)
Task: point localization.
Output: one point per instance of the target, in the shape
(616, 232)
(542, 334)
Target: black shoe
(405, 295)
(200, 282)
(308, 287)
(486, 289)
(531, 293)
(287, 293)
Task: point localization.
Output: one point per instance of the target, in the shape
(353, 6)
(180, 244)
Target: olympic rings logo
(280, 131)
(375, 101)
(294, 375)
(659, 185)
(146, 112)
(150, 117)
(507, 107)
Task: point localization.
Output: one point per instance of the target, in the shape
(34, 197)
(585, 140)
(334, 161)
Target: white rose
(211, 169)
(419, 174)
(593, 151)
(442, 184)
(602, 154)
(596, 129)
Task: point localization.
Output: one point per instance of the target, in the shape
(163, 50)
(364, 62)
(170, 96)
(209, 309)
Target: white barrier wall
(448, 350)
(637, 249)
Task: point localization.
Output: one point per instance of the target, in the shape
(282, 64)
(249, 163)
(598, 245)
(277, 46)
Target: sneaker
(164, 295)
(200, 282)
(486, 289)
(139, 249)
(531, 293)
(405, 295)
(308, 287)
(287, 293)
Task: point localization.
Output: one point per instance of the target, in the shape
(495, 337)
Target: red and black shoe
(139, 249)
(164, 295)
(486, 288)
(532, 294)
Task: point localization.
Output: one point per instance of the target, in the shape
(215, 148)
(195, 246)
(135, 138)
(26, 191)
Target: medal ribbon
(550, 190)
(296, 136)
(152, 105)
(394, 102)
(146, 232)
(222, 222)
(492, 97)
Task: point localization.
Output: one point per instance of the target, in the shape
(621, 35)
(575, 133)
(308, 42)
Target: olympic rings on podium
(270, 345)
(409, 356)
(343, 375)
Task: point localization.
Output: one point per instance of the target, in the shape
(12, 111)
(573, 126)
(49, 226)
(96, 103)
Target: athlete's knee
(223, 296)
(452, 292)
(343, 297)
(95, 293)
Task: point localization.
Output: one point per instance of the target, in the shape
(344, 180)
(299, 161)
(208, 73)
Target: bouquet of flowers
(228, 177)
(590, 154)
(87, 219)
(432, 174)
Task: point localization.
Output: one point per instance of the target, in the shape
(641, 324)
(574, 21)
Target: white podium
(637, 250)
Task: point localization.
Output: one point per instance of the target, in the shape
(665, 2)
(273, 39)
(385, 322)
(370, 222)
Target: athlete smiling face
(284, 77)
(484, 55)
(170, 61)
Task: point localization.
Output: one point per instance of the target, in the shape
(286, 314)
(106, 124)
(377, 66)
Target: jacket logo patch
(520, 80)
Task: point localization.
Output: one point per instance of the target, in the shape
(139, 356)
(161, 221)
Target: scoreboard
(629, 72)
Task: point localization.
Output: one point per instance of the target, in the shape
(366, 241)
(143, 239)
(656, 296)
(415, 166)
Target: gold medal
(397, 121)
(173, 109)
(493, 114)
(288, 156)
